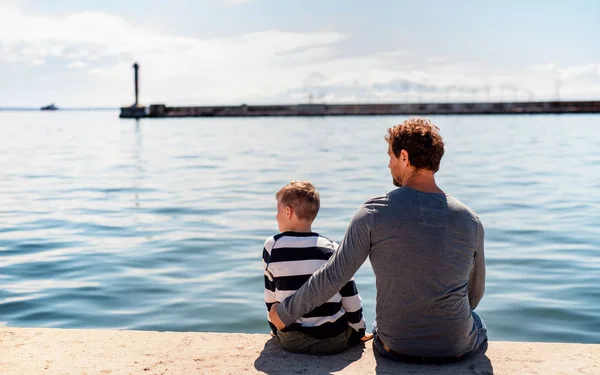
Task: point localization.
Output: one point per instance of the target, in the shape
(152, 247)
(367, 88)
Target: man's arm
(330, 278)
(477, 276)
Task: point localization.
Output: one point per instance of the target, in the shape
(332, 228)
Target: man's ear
(289, 212)
(404, 157)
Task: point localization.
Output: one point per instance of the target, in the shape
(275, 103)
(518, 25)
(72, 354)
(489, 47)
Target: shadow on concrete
(478, 364)
(274, 360)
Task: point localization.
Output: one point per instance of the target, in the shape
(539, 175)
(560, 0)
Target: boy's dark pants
(299, 342)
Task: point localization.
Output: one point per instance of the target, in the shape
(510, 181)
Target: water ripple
(160, 225)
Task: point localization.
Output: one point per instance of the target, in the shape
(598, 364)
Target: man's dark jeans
(480, 327)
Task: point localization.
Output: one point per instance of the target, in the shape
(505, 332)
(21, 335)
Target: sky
(201, 52)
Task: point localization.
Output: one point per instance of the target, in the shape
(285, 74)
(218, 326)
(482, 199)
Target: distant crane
(313, 86)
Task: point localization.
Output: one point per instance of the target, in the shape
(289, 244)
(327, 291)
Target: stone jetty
(474, 108)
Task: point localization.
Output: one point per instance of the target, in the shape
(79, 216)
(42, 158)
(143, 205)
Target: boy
(289, 259)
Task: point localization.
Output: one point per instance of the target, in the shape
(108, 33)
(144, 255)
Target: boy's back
(289, 259)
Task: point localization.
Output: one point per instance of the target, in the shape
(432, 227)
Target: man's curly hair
(422, 141)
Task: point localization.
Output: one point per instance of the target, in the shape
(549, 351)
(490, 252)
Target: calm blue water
(105, 223)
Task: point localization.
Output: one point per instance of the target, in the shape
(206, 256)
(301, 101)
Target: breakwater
(364, 109)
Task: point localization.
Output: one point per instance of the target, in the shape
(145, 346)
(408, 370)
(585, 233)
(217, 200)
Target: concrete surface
(35, 351)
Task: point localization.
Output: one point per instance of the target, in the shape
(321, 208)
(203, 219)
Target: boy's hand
(366, 337)
(274, 318)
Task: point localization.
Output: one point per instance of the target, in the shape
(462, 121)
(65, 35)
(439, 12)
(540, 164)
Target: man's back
(423, 247)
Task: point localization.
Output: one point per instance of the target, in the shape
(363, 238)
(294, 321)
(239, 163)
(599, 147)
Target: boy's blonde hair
(303, 197)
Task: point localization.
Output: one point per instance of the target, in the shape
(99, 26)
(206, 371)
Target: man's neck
(423, 180)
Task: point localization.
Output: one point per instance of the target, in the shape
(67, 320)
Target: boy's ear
(289, 212)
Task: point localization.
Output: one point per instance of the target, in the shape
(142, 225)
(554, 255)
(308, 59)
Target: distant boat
(50, 107)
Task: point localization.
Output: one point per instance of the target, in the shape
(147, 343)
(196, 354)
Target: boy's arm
(352, 304)
(269, 282)
(330, 278)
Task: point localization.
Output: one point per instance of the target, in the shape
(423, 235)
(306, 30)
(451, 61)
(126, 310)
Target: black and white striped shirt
(289, 259)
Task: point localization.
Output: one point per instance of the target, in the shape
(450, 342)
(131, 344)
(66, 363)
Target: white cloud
(438, 59)
(260, 67)
(78, 64)
(544, 67)
(581, 72)
(223, 69)
(97, 71)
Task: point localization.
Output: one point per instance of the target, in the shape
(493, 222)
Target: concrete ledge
(62, 351)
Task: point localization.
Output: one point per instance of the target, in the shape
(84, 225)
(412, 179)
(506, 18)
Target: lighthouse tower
(136, 110)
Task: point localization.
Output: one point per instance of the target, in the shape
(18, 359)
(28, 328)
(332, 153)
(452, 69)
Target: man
(426, 250)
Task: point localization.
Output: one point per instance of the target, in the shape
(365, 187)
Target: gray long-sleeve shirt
(426, 250)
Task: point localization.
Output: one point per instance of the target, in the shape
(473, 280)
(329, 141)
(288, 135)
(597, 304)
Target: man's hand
(274, 318)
